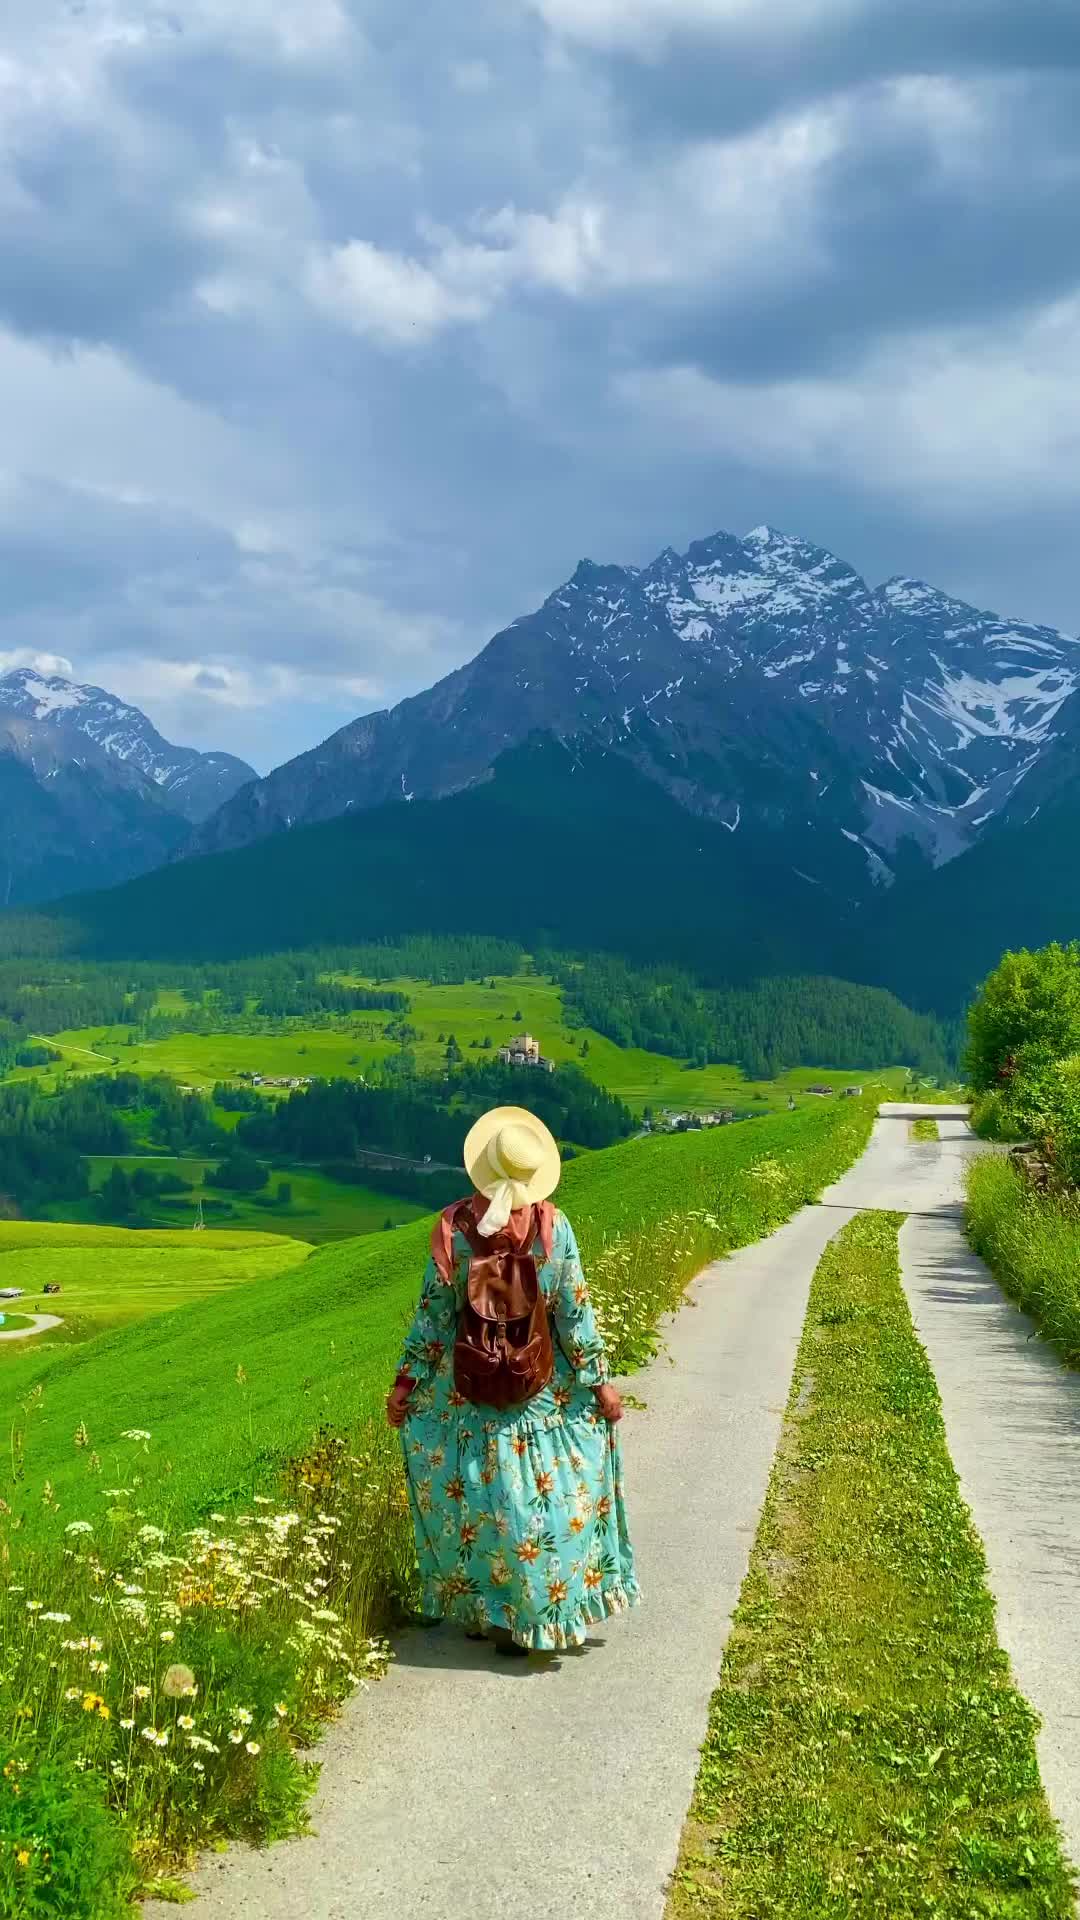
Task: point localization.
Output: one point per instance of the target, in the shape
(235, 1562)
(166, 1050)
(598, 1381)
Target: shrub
(1026, 1014)
(1032, 1242)
(61, 1851)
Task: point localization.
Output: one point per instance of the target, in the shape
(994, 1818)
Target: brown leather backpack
(503, 1354)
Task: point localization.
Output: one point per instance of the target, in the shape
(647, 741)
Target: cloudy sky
(334, 332)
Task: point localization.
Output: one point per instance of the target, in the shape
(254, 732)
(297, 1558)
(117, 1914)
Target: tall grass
(160, 1664)
(1032, 1242)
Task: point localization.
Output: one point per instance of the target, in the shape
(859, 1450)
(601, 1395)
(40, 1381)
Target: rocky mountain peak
(758, 680)
(185, 781)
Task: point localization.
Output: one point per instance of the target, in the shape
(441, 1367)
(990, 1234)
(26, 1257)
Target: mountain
(742, 759)
(90, 793)
(559, 846)
(185, 781)
(757, 681)
(574, 847)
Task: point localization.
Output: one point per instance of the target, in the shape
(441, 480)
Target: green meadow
(472, 1012)
(110, 1276)
(320, 1209)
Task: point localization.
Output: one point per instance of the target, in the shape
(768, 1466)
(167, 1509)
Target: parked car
(11, 1293)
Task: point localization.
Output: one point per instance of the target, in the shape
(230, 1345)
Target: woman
(520, 1525)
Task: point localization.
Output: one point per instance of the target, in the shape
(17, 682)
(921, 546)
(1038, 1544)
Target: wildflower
(136, 1433)
(218, 1518)
(281, 1711)
(179, 1683)
(92, 1703)
(197, 1767)
(186, 1721)
(252, 1747)
(126, 1724)
(34, 1606)
(99, 1666)
(236, 1737)
(156, 1736)
(22, 1858)
(60, 1619)
(73, 1693)
(152, 1535)
(167, 1635)
(141, 1693)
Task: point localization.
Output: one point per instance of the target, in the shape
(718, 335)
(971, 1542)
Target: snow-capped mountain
(185, 781)
(90, 793)
(760, 681)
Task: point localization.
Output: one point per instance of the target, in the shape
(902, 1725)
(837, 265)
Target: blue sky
(334, 332)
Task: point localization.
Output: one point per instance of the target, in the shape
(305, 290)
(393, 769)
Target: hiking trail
(463, 1785)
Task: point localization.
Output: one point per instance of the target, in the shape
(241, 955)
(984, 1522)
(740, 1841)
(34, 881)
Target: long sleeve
(571, 1309)
(433, 1328)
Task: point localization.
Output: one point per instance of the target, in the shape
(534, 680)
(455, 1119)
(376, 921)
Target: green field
(471, 1012)
(320, 1209)
(318, 1341)
(110, 1276)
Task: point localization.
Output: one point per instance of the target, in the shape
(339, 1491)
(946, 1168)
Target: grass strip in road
(925, 1129)
(867, 1752)
(1031, 1240)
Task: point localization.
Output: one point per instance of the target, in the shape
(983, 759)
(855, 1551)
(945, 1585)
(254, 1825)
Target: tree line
(765, 1029)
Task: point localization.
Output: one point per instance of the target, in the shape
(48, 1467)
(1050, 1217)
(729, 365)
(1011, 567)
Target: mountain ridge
(192, 783)
(757, 678)
(92, 793)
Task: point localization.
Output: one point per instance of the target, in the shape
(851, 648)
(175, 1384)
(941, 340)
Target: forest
(765, 1029)
(333, 1120)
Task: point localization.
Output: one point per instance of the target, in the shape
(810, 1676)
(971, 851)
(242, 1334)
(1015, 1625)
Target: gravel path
(41, 1323)
(463, 1786)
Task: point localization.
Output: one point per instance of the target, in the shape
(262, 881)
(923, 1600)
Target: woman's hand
(609, 1401)
(397, 1402)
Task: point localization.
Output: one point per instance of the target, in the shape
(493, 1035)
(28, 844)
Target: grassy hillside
(320, 1209)
(110, 1277)
(230, 1385)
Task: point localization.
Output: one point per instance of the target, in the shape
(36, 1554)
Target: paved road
(463, 1786)
(1012, 1416)
(40, 1323)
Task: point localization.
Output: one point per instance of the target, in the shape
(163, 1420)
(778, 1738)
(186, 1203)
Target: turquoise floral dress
(519, 1515)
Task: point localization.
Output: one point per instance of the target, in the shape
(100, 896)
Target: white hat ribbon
(512, 1192)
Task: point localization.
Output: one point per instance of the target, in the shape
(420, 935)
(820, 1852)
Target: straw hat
(513, 1159)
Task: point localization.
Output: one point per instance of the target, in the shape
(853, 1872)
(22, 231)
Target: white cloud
(395, 300)
(731, 213)
(643, 25)
(953, 422)
(46, 663)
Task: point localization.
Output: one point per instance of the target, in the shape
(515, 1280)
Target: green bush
(1032, 1242)
(63, 1856)
(1026, 1014)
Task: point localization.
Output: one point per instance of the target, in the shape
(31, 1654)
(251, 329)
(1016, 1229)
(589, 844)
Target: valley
(153, 1118)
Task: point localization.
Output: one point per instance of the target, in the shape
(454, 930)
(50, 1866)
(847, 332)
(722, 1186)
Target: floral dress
(519, 1515)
